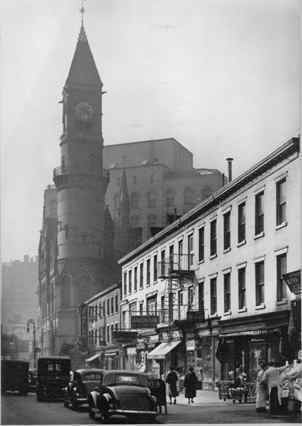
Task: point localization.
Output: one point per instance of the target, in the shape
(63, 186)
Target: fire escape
(179, 272)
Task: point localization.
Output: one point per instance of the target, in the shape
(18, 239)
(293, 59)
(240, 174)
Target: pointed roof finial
(82, 11)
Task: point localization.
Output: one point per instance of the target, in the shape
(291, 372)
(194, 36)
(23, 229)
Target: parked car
(80, 383)
(53, 377)
(123, 393)
(14, 376)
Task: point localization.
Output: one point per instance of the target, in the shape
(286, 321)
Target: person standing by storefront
(271, 378)
(172, 379)
(190, 385)
(261, 388)
(294, 377)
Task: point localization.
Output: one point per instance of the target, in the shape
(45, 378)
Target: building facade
(161, 184)
(73, 262)
(209, 288)
(100, 317)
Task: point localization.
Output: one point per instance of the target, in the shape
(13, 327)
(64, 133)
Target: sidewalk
(202, 397)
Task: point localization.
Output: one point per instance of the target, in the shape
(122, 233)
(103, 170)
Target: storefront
(207, 365)
(112, 358)
(244, 343)
(169, 353)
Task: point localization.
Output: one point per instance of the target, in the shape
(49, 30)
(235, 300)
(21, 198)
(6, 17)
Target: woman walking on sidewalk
(172, 379)
(190, 385)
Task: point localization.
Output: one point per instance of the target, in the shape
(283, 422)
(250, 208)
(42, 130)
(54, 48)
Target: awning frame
(162, 350)
(93, 357)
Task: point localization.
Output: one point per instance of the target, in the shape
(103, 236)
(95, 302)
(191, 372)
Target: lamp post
(32, 322)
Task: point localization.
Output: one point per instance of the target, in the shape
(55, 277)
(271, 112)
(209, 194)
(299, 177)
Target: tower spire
(82, 11)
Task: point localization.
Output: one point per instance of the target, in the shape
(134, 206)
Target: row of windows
(241, 225)
(281, 267)
(187, 260)
(151, 220)
(106, 308)
(103, 335)
(189, 198)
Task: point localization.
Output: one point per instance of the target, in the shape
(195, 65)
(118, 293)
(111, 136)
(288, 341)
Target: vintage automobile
(53, 377)
(80, 383)
(14, 376)
(123, 393)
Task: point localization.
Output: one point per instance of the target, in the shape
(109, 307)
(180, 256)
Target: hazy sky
(221, 76)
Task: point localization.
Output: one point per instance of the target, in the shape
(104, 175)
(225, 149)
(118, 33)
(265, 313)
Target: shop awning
(111, 353)
(244, 333)
(162, 350)
(93, 357)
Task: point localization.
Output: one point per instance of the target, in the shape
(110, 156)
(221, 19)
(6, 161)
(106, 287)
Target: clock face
(84, 112)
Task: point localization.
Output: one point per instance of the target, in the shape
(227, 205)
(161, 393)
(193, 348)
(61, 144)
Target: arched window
(188, 198)
(151, 199)
(134, 200)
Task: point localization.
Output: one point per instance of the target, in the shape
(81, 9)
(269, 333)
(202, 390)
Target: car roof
(54, 357)
(137, 373)
(88, 370)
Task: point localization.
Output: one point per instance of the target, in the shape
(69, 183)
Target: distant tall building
(162, 184)
(19, 303)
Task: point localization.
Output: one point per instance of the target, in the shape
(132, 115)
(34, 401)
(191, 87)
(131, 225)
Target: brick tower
(81, 186)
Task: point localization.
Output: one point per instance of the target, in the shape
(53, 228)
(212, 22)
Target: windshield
(92, 377)
(125, 379)
(54, 368)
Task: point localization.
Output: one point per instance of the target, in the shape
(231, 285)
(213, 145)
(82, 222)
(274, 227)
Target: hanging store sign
(190, 345)
(144, 321)
(166, 336)
(293, 281)
(131, 351)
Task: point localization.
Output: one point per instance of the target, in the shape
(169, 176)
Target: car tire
(39, 397)
(74, 405)
(104, 418)
(91, 414)
(65, 403)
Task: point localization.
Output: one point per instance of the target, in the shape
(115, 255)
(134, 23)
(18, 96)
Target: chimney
(229, 160)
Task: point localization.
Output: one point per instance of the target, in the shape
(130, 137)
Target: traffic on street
(25, 410)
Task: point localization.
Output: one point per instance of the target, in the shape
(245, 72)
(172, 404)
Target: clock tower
(81, 186)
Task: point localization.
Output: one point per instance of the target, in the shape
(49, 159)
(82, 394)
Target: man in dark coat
(171, 379)
(190, 385)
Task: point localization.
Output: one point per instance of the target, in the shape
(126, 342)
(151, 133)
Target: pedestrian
(172, 379)
(294, 377)
(261, 388)
(201, 378)
(271, 378)
(190, 385)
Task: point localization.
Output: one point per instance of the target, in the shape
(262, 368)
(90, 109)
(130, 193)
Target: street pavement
(25, 410)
